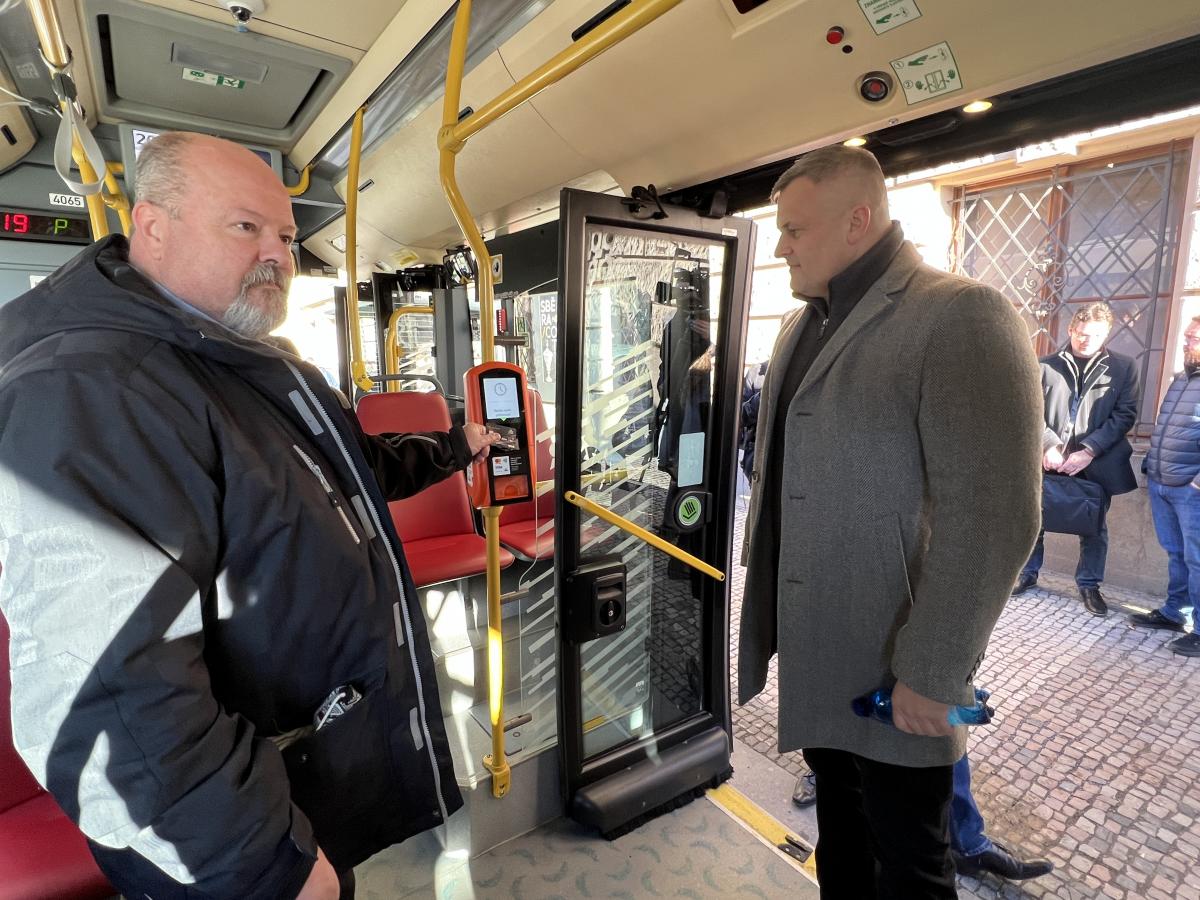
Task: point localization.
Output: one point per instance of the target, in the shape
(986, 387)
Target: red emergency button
(835, 34)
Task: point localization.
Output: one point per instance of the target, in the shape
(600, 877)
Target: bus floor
(1093, 760)
(698, 851)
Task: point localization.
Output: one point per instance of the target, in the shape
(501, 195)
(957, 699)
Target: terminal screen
(501, 398)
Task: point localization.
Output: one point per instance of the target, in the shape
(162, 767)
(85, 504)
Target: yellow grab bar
(300, 186)
(115, 198)
(358, 368)
(58, 54)
(452, 138)
(638, 531)
(391, 348)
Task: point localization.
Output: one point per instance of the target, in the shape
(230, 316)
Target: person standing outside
(1173, 470)
(1091, 402)
(895, 496)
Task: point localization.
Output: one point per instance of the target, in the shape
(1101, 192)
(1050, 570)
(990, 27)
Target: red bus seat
(43, 856)
(437, 525)
(520, 523)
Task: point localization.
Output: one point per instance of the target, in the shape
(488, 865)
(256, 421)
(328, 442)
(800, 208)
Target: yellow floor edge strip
(758, 820)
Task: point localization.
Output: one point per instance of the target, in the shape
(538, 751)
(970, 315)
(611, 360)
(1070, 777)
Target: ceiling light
(978, 106)
(856, 142)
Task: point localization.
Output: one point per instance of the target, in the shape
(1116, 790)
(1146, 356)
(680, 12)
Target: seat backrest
(16, 783)
(544, 509)
(442, 508)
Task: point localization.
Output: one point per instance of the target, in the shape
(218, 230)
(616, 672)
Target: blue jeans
(1176, 513)
(966, 824)
(1093, 553)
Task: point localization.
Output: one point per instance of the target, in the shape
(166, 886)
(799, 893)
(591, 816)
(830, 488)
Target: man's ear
(150, 227)
(860, 222)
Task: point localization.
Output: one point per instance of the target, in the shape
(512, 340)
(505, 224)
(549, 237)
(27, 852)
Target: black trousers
(883, 830)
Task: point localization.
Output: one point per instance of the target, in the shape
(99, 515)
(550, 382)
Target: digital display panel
(500, 398)
(16, 224)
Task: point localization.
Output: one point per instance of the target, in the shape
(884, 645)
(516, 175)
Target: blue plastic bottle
(878, 705)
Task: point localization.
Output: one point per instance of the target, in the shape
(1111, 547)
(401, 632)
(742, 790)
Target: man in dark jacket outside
(1091, 401)
(1173, 471)
(219, 667)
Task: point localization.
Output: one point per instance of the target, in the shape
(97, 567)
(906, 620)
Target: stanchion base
(501, 776)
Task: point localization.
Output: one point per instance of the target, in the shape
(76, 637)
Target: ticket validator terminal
(498, 399)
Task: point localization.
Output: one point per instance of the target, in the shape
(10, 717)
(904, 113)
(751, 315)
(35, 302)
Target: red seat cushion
(522, 536)
(43, 856)
(436, 525)
(436, 559)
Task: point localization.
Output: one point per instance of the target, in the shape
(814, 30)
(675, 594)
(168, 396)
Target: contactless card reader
(498, 399)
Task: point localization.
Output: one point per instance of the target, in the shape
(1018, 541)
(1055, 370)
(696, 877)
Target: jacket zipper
(333, 500)
(403, 603)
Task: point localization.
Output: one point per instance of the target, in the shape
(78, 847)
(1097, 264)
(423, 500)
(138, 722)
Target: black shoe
(999, 861)
(1154, 619)
(1188, 645)
(1024, 582)
(1093, 602)
(805, 793)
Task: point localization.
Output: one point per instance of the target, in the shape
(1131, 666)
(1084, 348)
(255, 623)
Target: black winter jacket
(1174, 457)
(1105, 398)
(196, 552)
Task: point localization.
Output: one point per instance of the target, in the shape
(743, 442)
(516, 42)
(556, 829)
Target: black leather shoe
(1188, 645)
(1024, 582)
(805, 793)
(999, 861)
(1154, 619)
(1093, 602)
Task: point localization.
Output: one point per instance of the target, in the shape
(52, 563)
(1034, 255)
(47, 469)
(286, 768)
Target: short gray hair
(831, 162)
(161, 174)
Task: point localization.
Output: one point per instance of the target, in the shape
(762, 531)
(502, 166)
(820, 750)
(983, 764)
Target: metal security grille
(1103, 230)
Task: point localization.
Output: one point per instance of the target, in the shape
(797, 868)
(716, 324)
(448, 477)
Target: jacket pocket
(342, 775)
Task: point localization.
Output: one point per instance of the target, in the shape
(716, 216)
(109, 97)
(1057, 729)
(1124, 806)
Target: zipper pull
(333, 500)
(821, 332)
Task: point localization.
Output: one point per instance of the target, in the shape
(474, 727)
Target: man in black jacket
(219, 667)
(1091, 402)
(1173, 472)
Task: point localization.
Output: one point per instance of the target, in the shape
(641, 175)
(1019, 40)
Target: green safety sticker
(884, 15)
(928, 73)
(214, 79)
(689, 511)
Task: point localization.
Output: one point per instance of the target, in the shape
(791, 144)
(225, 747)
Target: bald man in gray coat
(895, 496)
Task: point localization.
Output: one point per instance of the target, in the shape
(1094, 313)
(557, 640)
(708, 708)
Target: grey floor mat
(698, 852)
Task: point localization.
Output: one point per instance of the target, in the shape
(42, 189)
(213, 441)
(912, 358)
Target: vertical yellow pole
(496, 762)
(358, 368)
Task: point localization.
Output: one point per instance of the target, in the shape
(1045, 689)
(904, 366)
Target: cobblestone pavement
(1094, 759)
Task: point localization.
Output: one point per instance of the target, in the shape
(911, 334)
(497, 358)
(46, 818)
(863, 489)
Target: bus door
(652, 311)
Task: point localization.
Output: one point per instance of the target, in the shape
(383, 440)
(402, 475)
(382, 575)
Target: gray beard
(252, 321)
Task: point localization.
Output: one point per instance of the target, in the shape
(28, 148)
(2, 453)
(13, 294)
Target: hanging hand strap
(70, 128)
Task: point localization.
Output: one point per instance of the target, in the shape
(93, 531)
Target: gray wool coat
(911, 499)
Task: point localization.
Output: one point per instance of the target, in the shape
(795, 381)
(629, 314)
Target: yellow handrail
(115, 198)
(300, 186)
(452, 138)
(391, 347)
(58, 54)
(358, 368)
(638, 531)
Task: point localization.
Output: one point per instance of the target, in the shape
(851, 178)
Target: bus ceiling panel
(356, 24)
(697, 93)
(516, 158)
(155, 66)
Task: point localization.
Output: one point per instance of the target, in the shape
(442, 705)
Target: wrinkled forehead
(217, 183)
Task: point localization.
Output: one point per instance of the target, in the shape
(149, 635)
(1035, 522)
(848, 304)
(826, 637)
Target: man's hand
(915, 714)
(322, 883)
(1052, 459)
(480, 440)
(1076, 462)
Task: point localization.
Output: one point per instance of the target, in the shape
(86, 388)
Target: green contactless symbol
(689, 511)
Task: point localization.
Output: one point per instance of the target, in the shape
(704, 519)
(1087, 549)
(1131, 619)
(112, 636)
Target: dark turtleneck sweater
(845, 290)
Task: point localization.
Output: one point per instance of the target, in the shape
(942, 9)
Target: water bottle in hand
(878, 705)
